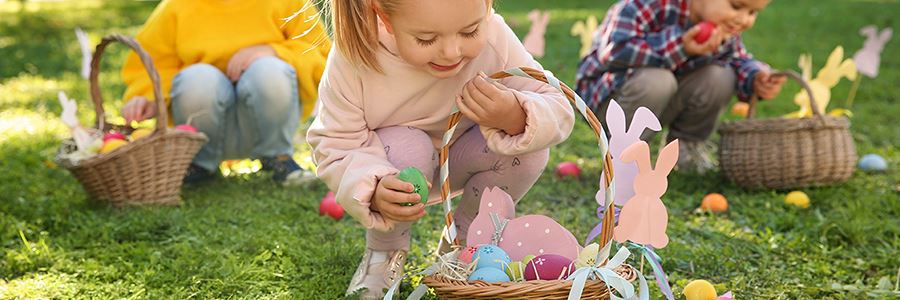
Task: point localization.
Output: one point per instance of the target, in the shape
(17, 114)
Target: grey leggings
(472, 166)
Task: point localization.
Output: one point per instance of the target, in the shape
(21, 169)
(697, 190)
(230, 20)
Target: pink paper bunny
(525, 235)
(534, 40)
(868, 58)
(644, 218)
(621, 139)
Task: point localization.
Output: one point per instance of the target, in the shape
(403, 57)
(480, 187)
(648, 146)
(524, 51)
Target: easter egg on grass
(706, 29)
(740, 109)
(549, 267)
(490, 256)
(567, 169)
(872, 163)
(489, 275)
(111, 145)
(328, 206)
(113, 136)
(797, 198)
(418, 180)
(140, 132)
(699, 290)
(714, 202)
(466, 254)
(186, 127)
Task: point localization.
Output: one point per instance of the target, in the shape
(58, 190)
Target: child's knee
(717, 83)
(407, 146)
(269, 80)
(532, 163)
(191, 92)
(651, 86)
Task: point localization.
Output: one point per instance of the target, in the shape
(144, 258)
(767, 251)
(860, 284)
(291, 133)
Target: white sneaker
(696, 156)
(377, 271)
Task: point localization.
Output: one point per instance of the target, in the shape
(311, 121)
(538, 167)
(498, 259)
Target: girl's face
(733, 16)
(439, 36)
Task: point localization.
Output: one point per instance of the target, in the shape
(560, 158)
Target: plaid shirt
(647, 33)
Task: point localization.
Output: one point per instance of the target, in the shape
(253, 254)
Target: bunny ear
(668, 157)
(639, 152)
(577, 28)
(534, 14)
(805, 64)
(615, 118)
(643, 118)
(848, 69)
(546, 17)
(834, 59)
(885, 35)
(868, 31)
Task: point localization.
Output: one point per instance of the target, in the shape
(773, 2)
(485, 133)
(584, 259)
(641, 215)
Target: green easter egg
(527, 258)
(514, 270)
(420, 184)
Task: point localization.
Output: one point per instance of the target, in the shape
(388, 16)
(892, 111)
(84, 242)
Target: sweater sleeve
(157, 37)
(549, 117)
(305, 46)
(350, 157)
(745, 67)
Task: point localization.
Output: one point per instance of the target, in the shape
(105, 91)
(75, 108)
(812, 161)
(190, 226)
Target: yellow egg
(699, 290)
(797, 198)
(111, 145)
(140, 132)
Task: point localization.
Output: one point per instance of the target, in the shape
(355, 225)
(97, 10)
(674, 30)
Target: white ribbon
(613, 280)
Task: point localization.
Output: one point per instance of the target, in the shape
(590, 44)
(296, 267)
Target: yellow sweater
(180, 33)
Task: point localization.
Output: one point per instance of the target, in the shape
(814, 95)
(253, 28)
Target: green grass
(245, 237)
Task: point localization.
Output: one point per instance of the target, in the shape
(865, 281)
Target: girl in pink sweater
(390, 84)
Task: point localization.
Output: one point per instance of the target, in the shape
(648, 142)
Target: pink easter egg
(328, 206)
(567, 169)
(706, 29)
(548, 267)
(186, 127)
(113, 136)
(467, 253)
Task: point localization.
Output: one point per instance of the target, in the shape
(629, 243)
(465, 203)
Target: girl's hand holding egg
(490, 104)
(392, 195)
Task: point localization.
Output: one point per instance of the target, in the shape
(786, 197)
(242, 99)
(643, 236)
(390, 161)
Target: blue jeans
(255, 117)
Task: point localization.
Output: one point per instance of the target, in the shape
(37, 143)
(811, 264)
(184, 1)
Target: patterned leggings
(472, 166)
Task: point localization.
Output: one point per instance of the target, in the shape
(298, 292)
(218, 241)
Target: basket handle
(162, 116)
(799, 79)
(580, 106)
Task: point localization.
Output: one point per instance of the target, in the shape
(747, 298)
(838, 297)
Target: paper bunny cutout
(868, 58)
(585, 30)
(525, 235)
(835, 68)
(534, 40)
(85, 46)
(644, 218)
(621, 139)
(69, 117)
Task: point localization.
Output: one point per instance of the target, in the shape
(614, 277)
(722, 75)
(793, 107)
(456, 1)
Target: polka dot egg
(489, 275)
(490, 256)
(549, 267)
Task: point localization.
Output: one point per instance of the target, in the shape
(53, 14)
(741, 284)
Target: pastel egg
(490, 256)
(549, 267)
(489, 275)
(872, 163)
(515, 270)
(588, 255)
(466, 254)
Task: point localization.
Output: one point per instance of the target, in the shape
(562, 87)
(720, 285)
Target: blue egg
(872, 163)
(489, 275)
(490, 256)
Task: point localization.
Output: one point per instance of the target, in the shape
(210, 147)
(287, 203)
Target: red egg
(549, 267)
(706, 29)
(328, 206)
(186, 127)
(466, 254)
(567, 169)
(113, 136)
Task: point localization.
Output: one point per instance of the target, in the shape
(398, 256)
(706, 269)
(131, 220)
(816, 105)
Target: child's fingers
(394, 184)
(487, 89)
(470, 98)
(691, 33)
(466, 111)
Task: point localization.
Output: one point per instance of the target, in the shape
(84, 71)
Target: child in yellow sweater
(245, 70)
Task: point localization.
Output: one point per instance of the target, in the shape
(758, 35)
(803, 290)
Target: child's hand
(693, 48)
(766, 85)
(390, 196)
(241, 60)
(491, 104)
(138, 109)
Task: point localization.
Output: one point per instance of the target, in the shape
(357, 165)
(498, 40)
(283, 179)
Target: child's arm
(548, 115)
(633, 45)
(746, 69)
(349, 156)
(157, 37)
(305, 47)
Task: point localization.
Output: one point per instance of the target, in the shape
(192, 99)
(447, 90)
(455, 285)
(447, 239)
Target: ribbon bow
(613, 280)
(655, 262)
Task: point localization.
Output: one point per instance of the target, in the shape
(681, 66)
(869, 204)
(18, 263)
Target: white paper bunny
(534, 40)
(868, 58)
(624, 172)
(85, 46)
(69, 117)
(644, 218)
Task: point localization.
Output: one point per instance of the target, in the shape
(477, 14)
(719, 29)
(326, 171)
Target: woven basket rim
(127, 148)
(784, 124)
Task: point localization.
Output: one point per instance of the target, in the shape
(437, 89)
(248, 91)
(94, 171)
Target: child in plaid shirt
(644, 54)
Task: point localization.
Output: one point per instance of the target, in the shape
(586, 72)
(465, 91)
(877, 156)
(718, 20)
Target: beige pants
(689, 105)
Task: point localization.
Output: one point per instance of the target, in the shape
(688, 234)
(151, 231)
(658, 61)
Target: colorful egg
(588, 256)
(515, 270)
(140, 132)
(714, 202)
(490, 256)
(489, 275)
(466, 254)
(797, 198)
(699, 290)
(872, 163)
(186, 127)
(549, 267)
(112, 144)
(418, 180)
(329, 206)
(113, 136)
(706, 29)
(567, 169)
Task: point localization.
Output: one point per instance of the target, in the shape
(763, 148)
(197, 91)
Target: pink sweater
(354, 102)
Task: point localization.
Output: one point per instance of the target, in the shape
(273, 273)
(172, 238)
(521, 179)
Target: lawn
(245, 237)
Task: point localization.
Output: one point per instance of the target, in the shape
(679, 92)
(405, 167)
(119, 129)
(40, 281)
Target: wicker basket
(787, 153)
(447, 288)
(147, 171)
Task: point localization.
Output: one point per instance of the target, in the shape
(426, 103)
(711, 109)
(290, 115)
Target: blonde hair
(354, 25)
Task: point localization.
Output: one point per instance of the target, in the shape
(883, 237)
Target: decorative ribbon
(613, 280)
(596, 231)
(661, 279)
(499, 225)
